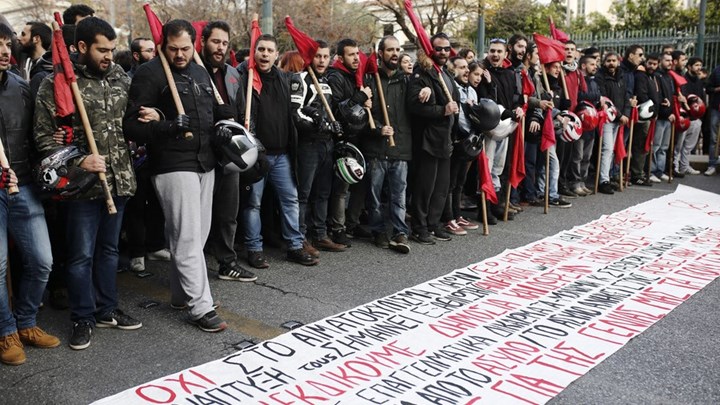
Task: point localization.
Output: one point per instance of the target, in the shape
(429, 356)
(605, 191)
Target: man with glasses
(143, 50)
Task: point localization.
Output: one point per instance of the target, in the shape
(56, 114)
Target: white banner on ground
(515, 328)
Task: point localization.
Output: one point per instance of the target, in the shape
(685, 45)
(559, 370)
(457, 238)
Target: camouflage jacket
(105, 99)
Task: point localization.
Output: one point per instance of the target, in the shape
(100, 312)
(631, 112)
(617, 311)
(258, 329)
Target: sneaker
(642, 182)
(423, 238)
(160, 255)
(234, 272)
(710, 171)
(559, 203)
(11, 350)
(137, 264)
(664, 177)
(311, 249)
(37, 337)
(340, 237)
(118, 319)
(606, 188)
(539, 202)
(470, 226)
(358, 232)
(692, 171)
(381, 240)
(210, 322)
(257, 260)
(183, 306)
(441, 234)
(455, 229)
(580, 191)
(678, 175)
(568, 193)
(327, 245)
(81, 334)
(399, 243)
(653, 179)
(302, 257)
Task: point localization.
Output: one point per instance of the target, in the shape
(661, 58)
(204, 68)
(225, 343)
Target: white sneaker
(664, 177)
(710, 171)
(654, 179)
(690, 170)
(161, 255)
(137, 264)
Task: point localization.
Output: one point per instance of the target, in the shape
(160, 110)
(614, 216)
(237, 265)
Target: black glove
(4, 177)
(180, 125)
(69, 137)
(223, 112)
(223, 135)
(336, 128)
(313, 113)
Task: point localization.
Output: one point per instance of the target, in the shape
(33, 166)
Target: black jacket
(304, 94)
(374, 145)
(344, 88)
(628, 71)
(713, 82)
(592, 94)
(16, 115)
(647, 88)
(614, 87)
(41, 70)
(503, 89)
(431, 128)
(667, 91)
(167, 153)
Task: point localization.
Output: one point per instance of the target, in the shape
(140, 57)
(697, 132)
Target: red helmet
(697, 106)
(609, 108)
(588, 115)
(682, 123)
(573, 130)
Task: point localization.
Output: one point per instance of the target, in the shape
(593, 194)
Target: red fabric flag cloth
(602, 119)
(517, 170)
(549, 49)
(619, 151)
(528, 87)
(64, 75)
(255, 33)
(422, 36)
(359, 73)
(233, 59)
(557, 34)
(155, 24)
(679, 79)
(306, 46)
(58, 18)
(371, 67)
(484, 179)
(634, 117)
(548, 132)
(650, 136)
(199, 27)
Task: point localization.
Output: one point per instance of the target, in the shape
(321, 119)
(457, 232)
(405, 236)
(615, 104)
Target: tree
(508, 17)
(645, 14)
(593, 23)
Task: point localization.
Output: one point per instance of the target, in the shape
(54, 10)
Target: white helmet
(349, 162)
(611, 110)
(573, 130)
(241, 153)
(504, 127)
(646, 110)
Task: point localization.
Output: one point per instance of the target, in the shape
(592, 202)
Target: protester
(579, 170)
(646, 91)
(688, 139)
(406, 63)
(713, 90)
(35, 40)
(75, 13)
(570, 154)
(666, 118)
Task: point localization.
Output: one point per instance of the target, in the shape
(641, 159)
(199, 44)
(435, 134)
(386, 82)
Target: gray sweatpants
(186, 200)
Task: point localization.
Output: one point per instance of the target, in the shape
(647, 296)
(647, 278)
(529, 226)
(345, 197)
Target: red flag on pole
(359, 73)
(422, 36)
(64, 75)
(634, 117)
(58, 18)
(371, 67)
(199, 27)
(528, 87)
(549, 50)
(619, 150)
(557, 34)
(485, 179)
(679, 79)
(155, 24)
(255, 33)
(306, 46)
(517, 170)
(233, 59)
(650, 136)
(548, 132)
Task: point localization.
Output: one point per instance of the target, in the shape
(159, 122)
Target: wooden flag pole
(324, 101)
(547, 180)
(483, 204)
(173, 90)
(371, 120)
(671, 152)
(383, 106)
(199, 61)
(599, 157)
(629, 151)
(6, 165)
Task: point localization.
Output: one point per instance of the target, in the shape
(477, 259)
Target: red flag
(359, 73)
(557, 34)
(255, 33)
(650, 136)
(64, 75)
(422, 36)
(634, 115)
(485, 179)
(548, 132)
(517, 170)
(549, 50)
(679, 79)
(528, 87)
(233, 59)
(199, 27)
(58, 18)
(306, 46)
(371, 67)
(602, 119)
(619, 151)
(155, 24)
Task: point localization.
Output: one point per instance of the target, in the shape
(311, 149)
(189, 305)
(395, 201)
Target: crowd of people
(390, 157)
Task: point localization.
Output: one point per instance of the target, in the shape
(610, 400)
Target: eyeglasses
(498, 41)
(443, 48)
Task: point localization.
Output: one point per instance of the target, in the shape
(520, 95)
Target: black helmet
(241, 153)
(483, 116)
(354, 118)
(471, 146)
(349, 162)
(53, 174)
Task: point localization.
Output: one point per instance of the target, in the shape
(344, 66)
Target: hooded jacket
(614, 87)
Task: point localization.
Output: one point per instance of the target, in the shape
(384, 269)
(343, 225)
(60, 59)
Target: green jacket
(105, 99)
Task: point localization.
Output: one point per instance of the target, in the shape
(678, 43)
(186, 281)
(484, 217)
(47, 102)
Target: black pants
(431, 184)
(226, 203)
(144, 220)
(458, 172)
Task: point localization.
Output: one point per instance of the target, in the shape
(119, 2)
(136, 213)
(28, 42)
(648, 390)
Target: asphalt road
(674, 362)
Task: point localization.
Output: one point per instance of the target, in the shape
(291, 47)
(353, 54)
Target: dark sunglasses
(443, 48)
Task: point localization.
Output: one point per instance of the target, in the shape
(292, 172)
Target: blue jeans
(394, 172)
(280, 175)
(714, 122)
(554, 175)
(661, 143)
(23, 216)
(92, 237)
(315, 176)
